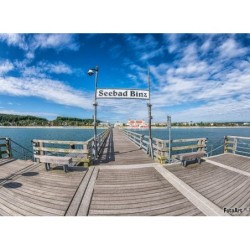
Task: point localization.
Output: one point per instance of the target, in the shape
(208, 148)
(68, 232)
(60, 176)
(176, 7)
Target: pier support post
(225, 144)
(8, 147)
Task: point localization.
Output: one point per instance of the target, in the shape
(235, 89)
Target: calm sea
(24, 136)
(215, 136)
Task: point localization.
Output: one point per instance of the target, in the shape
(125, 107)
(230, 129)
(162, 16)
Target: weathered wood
(223, 187)
(60, 150)
(60, 142)
(38, 192)
(82, 155)
(241, 165)
(77, 199)
(160, 148)
(238, 137)
(204, 205)
(119, 150)
(54, 159)
(232, 144)
(135, 190)
(188, 147)
(85, 203)
(113, 197)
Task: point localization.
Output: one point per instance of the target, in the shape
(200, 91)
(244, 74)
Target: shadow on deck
(215, 187)
(119, 150)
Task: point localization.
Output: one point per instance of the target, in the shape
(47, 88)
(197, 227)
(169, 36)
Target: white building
(137, 124)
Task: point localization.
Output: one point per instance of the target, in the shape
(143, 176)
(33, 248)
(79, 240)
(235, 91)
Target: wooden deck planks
(85, 203)
(26, 188)
(233, 160)
(223, 187)
(75, 203)
(119, 150)
(38, 192)
(154, 196)
(204, 205)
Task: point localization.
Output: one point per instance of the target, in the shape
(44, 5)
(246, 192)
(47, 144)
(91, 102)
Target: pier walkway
(127, 182)
(119, 150)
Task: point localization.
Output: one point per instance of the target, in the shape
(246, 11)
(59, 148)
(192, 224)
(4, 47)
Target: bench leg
(65, 168)
(199, 160)
(184, 163)
(47, 166)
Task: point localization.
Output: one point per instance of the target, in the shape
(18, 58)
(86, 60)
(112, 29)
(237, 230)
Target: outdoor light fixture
(90, 73)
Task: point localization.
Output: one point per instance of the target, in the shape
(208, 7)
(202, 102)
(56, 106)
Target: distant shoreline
(91, 127)
(53, 127)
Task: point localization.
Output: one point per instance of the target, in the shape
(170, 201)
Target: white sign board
(122, 93)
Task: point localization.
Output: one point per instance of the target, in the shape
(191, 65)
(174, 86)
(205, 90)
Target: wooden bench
(59, 160)
(190, 156)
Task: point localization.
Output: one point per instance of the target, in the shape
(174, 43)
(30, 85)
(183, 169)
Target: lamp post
(90, 73)
(150, 148)
(169, 137)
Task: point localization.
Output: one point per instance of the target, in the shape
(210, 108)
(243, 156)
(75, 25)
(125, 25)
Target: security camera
(91, 72)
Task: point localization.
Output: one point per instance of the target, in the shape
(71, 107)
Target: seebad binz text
(122, 93)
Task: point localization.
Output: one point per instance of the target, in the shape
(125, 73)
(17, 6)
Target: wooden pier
(119, 150)
(126, 181)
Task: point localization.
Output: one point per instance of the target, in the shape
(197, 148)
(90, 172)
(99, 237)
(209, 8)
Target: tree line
(27, 120)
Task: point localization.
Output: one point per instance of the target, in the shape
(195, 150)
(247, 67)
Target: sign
(122, 94)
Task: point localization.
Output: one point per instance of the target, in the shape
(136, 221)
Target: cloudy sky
(198, 77)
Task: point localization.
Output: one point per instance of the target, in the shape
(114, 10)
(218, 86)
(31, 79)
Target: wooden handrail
(84, 150)
(5, 148)
(236, 144)
(161, 147)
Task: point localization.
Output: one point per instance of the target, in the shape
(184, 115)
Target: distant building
(118, 124)
(104, 124)
(134, 124)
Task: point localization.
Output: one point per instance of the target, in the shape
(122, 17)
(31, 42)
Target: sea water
(24, 137)
(215, 136)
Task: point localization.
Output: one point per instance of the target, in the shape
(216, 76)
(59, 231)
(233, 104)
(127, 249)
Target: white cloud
(145, 46)
(152, 54)
(5, 67)
(141, 42)
(224, 110)
(30, 43)
(58, 68)
(17, 40)
(43, 69)
(172, 41)
(230, 48)
(51, 90)
(55, 41)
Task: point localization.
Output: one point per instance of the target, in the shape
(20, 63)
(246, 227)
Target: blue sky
(194, 77)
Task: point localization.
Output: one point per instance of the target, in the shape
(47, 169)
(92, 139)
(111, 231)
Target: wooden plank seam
(228, 167)
(202, 203)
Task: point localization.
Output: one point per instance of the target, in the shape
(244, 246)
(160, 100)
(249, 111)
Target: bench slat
(54, 159)
(189, 156)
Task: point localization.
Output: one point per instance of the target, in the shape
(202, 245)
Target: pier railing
(5, 148)
(80, 151)
(237, 145)
(161, 147)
